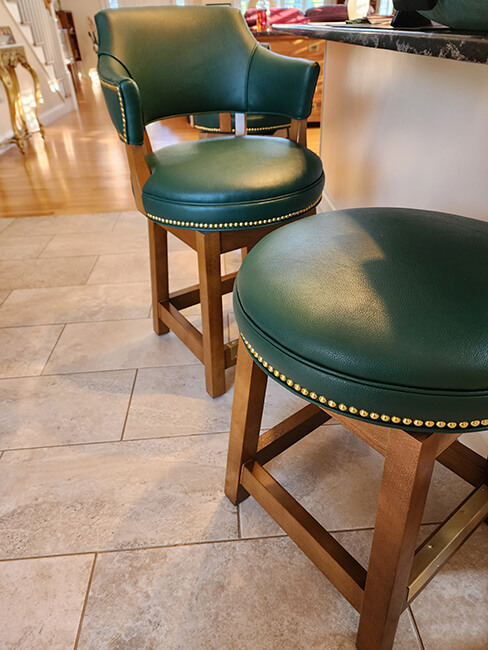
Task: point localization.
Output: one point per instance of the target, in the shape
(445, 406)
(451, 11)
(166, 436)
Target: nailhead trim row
(440, 424)
(117, 90)
(236, 224)
(252, 129)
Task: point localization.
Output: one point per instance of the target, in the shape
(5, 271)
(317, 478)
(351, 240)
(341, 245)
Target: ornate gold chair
(216, 195)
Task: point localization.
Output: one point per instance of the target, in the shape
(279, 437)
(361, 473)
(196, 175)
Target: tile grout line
(53, 348)
(9, 291)
(91, 372)
(105, 442)
(97, 257)
(239, 529)
(75, 322)
(79, 372)
(129, 404)
(85, 602)
(203, 542)
(42, 251)
(415, 628)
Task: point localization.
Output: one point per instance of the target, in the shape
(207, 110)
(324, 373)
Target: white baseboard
(326, 203)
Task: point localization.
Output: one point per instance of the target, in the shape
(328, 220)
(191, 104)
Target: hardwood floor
(81, 167)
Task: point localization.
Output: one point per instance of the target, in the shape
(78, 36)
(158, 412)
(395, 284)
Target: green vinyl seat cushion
(378, 313)
(232, 182)
(262, 124)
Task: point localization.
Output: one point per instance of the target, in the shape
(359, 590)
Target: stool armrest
(123, 100)
(281, 85)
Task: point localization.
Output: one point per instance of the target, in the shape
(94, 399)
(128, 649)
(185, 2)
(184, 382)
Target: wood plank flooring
(81, 168)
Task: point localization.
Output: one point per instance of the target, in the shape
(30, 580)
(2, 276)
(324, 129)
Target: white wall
(53, 105)
(406, 130)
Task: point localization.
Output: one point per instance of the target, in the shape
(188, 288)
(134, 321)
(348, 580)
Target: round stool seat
(261, 124)
(232, 183)
(378, 313)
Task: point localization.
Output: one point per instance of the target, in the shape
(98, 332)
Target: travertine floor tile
(132, 222)
(25, 350)
(22, 248)
(3, 296)
(114, 495)
(451, 611)
(103, 243)
(59, 272)
(5, 223)
(118, 269)
(101, 302)
(239, 596)
(71, 409)
(337, 478)
(41, 601)
(86, 347)
(173, 401)
(62, 224)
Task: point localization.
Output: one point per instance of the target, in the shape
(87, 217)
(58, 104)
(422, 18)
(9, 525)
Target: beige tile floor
(114, 529)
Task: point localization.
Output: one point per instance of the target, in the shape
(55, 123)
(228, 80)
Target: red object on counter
(262, 20)
(277, 15)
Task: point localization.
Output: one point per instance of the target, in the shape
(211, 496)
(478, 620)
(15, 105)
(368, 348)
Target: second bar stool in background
(216, 195)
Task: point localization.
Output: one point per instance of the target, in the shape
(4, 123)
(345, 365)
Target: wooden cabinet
(304, 48)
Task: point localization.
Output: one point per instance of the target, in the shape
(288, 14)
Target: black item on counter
(414, 5)
(405, 19)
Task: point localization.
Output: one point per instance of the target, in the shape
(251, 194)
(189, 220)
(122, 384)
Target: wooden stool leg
(247, 413)
(409, 463)
(158, 256)
(208, 250)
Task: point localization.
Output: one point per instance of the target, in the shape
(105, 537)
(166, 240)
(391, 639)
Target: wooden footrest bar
(337, 564)
(289, 431)
(447, 539)
(191, 295)
(181, 326)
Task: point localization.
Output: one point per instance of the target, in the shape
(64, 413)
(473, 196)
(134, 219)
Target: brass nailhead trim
(236, 224)
(117, 90)
(440, 424)
(252, 129)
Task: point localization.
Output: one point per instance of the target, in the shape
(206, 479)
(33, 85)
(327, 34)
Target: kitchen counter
(438, 42)
(404, 118)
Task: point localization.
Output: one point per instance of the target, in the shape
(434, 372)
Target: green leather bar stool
(219, 194)
(378, 318)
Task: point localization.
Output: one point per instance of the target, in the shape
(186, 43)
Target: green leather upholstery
(157, 62)
(262, 124)
(380, 313)
(231, 182)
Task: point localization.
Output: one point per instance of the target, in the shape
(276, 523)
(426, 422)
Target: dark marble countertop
(440, 42)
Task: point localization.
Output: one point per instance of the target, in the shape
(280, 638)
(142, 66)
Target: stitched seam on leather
(353, 410)
(445, 392)
(112, 56)
(235, 224)
(248, 71)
